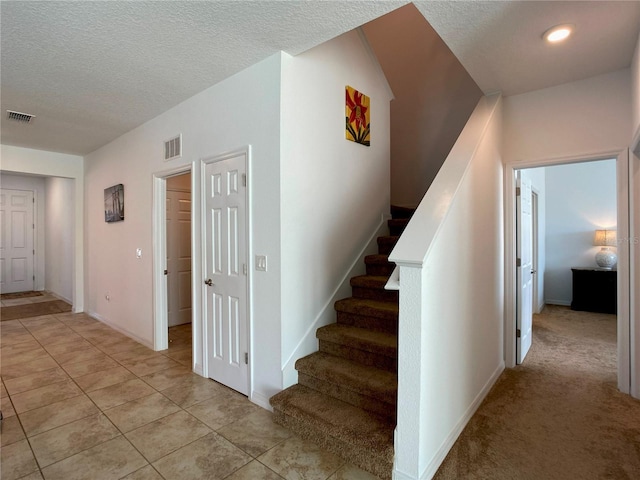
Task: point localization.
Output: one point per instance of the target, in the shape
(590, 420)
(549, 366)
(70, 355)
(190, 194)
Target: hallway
(82, 401)
(558, 415)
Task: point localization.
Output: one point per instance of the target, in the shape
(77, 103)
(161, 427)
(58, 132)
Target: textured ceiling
(91, 71)
(500, 42)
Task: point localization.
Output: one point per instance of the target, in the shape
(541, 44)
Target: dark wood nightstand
(595, 290)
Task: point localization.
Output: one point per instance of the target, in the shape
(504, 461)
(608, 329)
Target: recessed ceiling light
(558, 33)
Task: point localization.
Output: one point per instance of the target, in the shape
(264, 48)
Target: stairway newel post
(411, 430)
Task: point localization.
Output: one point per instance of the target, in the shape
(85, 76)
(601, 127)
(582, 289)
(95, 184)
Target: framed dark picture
(114, 203)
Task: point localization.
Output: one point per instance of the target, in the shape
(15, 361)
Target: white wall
(35, 184)
(635, 210)
(451, 297)
(334, 191)
(584, 117)
(588, 119)
(434, 97)
(635, 91)
(59, 229)
(51, 164)
(242, 110)
(581, 198)
(634, 240)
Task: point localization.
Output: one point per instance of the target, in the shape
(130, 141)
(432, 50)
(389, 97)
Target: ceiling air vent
(173, 148)
(19, 117)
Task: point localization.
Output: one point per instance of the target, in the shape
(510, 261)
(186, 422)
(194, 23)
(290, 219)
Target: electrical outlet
(261, 263)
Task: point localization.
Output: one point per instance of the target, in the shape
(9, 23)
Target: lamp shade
(605, 238)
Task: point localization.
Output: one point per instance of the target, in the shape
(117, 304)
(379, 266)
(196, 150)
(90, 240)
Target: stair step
(386, 244)
(360, 437)
(402, 212)
(375, 349)
(372, 287)
(379, 265)
(397, 225)
(371, 314)
(369, 388)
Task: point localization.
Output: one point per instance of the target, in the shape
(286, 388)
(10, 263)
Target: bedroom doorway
(621, 199)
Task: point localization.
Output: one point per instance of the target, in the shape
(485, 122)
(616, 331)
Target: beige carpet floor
(557, 416)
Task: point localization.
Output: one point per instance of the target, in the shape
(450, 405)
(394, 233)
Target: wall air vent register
(19, 116)
(173, 148)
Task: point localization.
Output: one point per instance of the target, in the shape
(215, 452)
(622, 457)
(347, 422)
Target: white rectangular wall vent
(173, 148)
(19, 117)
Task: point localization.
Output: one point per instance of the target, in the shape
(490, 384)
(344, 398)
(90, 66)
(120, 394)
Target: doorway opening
(555, 277)
(173, 263)
(178, 270)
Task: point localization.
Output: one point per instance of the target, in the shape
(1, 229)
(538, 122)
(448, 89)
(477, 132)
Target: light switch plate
(261, 263)
(138, 252)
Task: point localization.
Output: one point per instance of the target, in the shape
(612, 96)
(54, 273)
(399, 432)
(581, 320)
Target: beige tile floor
(82, 401)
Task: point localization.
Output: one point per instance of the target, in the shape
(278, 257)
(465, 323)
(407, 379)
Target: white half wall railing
(450, 269)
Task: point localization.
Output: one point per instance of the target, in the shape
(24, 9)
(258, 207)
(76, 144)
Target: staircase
(345, 399)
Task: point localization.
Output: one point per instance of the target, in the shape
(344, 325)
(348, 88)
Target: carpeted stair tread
(372, 287)
(369, 281)
(346, 396)
(369, 432)
(378, 265)
(397, 225)
(350, 376)
(402, 212)
(386, 244)
(369, 308)
(381, 343)
(376, 259)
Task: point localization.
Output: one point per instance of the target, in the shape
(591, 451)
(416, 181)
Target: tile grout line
(91, 340)
(100, 410)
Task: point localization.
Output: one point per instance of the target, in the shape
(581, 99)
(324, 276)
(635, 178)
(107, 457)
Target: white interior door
(524, 252)
(225, 255)
(178, 257)
(16, 241)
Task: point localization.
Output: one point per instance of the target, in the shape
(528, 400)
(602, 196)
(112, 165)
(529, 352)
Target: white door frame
(628, 374)
(634, 260)
(160, 314)
(246, 151)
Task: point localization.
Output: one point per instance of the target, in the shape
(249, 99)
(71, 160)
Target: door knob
(209, 282)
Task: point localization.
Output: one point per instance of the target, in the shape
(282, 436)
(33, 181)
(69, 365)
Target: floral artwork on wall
(358, 114)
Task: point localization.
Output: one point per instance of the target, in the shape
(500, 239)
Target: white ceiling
(500, 43)
(91, 71)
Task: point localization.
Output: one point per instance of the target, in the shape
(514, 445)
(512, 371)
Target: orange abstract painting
(357, 109)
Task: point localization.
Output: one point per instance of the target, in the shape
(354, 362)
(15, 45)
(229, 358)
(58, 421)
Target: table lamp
(606, 257)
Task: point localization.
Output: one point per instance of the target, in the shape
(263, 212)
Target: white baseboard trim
(308, 343)
(261, 400)
(124, 331)
(540, 307)
(442, 452)
(59, 297)
(563, 303)
(197, 369)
